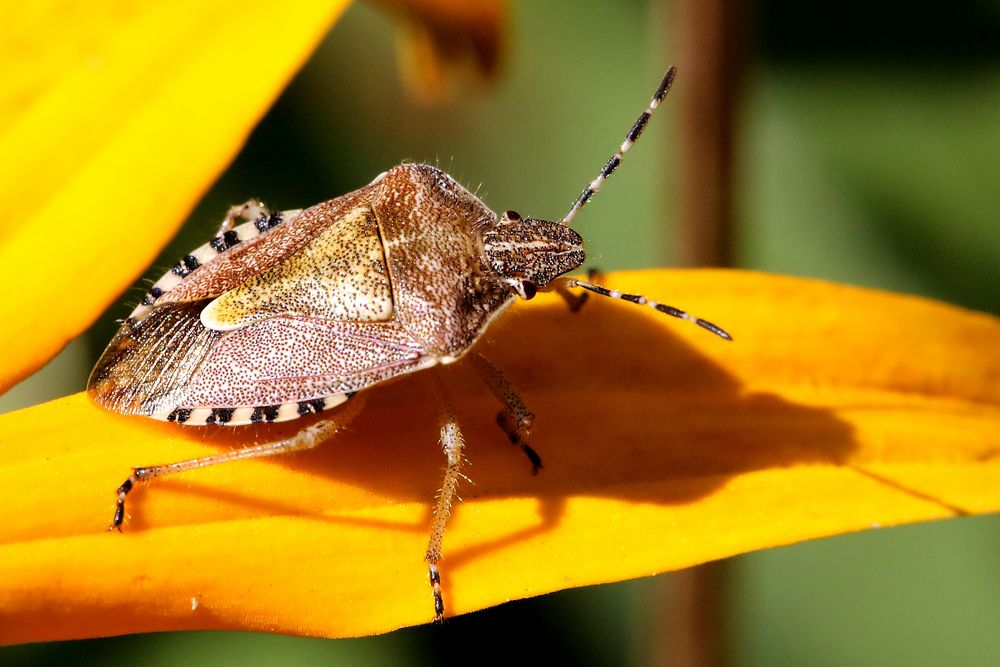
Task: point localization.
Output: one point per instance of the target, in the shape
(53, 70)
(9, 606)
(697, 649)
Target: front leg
(576, 300)
(515, 419)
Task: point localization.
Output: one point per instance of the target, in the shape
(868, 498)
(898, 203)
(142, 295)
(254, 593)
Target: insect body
(292, 313)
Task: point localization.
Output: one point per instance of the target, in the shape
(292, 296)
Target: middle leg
(453, 444)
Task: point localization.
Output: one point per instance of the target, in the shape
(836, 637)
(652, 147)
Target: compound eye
(512, 216)
(528, 290)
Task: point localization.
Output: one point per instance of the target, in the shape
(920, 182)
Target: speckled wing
(339, 275)
(149, 361)
(285, 359)
(251, 249)
(170, 367)
(277, 318)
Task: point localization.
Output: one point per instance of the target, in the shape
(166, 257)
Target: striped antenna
(643, 301)
(630, 138)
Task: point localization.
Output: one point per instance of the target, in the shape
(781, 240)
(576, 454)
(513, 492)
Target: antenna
(630, 138)
(644, 301)
(595, 185)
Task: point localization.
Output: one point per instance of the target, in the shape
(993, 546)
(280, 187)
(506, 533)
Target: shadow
(624, 406)
(183, 484)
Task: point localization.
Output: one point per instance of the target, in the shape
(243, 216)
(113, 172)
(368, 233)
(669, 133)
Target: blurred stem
(711, 64)
(694, 611)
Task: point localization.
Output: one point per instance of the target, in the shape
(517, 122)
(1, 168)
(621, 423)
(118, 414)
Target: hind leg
(307, 438)
(249, 210)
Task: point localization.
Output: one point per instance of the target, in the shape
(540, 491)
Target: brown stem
(710, 65)
(694, 611)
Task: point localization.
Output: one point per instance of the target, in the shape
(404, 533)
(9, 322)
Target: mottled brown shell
(289, 315)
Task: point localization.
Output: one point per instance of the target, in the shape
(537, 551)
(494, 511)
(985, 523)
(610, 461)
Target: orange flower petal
(114, 118)
(441, 40)
(835, 409)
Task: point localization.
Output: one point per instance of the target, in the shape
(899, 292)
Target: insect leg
(248, 210)
(573, 300)
(453, 445)
(515, 419)
(307, 438)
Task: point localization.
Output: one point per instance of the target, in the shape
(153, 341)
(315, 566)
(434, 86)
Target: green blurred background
(868, 153)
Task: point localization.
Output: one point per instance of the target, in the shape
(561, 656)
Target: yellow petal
(836, 409)
(114, 119)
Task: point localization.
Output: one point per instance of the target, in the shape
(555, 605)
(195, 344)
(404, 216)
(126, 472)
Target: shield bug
(292, 313)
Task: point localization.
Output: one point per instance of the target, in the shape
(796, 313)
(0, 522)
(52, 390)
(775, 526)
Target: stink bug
(292, 313)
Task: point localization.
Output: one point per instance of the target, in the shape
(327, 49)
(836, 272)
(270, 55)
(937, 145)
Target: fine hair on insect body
(292, 313)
